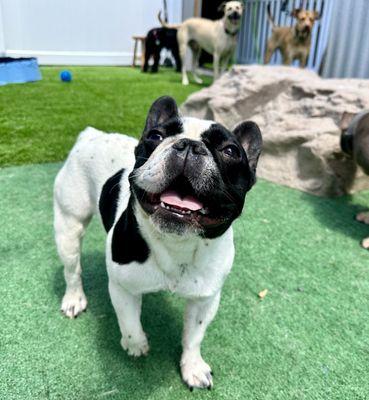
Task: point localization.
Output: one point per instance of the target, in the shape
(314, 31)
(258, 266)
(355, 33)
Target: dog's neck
(172, 252)
(300, 37)
(167, 248)
(229, 29)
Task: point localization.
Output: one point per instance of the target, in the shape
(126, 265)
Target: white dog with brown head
(218, 38)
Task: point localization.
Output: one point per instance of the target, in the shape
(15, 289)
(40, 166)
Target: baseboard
(75, 57)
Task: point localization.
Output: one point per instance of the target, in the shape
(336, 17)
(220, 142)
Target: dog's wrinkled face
(305, 20)
(191, 176)
(232, 11)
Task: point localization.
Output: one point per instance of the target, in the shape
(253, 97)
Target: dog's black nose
(235, 15)
(194, 146)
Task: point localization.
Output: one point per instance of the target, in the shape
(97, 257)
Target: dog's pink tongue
(172, 198)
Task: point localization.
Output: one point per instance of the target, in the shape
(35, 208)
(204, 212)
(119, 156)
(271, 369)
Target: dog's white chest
(192, 271)
(189, 280)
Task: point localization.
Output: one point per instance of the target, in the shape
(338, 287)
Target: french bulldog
(167, 203)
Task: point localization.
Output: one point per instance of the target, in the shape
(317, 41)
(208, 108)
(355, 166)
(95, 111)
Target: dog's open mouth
(179, 198)
(180, 202)
(174, 202)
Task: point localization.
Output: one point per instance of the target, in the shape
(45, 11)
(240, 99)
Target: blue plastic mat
(19, 70)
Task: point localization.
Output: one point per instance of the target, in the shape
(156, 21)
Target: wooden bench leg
(143, 49)
(134, 54)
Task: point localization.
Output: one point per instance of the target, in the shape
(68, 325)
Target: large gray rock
(298, 113)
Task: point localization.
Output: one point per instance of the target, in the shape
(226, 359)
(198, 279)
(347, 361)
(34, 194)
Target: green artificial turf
(308, 338)
(39, 121)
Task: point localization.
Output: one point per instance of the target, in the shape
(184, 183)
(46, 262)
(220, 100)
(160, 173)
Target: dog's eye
(231, 151)
(156, 136)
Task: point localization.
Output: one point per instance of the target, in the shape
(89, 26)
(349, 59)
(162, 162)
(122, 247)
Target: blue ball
(66, 76)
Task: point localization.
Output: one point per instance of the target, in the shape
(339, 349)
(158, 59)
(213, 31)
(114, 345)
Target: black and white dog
(167, 202)
(158, 39)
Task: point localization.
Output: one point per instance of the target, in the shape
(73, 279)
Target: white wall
(2, 43)
(83, 32)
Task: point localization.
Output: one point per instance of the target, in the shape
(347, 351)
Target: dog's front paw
(196, 373)
(74, 303)
(135, 347)
(363, 217)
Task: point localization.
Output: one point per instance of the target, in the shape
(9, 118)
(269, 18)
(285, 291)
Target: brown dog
(355, 144)
(293, 42)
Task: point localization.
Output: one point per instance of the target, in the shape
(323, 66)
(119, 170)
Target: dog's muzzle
(187, 197)
(234, 16)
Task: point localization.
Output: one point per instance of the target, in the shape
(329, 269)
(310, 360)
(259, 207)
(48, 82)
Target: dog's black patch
(163, 118)
(237, 170)
(347, 142)
(127, 244)
(109, 199)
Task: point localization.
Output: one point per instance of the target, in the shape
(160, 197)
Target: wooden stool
(137, 39)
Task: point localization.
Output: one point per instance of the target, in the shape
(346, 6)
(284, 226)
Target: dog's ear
(295, 12)
(316, 15)
(221, 7)
(162, 110)
(249, 135)
(346, 120)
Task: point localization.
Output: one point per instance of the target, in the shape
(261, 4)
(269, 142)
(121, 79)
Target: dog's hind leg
(69, 231)
(73, 210)
(147, 59)
(196, 51)
(155, 66)
(177, 58)
(268, 53)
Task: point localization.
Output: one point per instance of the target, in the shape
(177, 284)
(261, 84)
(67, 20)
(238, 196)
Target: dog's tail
(270, 16)
(165, 24)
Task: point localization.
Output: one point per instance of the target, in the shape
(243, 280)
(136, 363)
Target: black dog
(156, 40)
(355, 144)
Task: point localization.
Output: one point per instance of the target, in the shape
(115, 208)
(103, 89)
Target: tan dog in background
(218, 38)
(293, 42)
